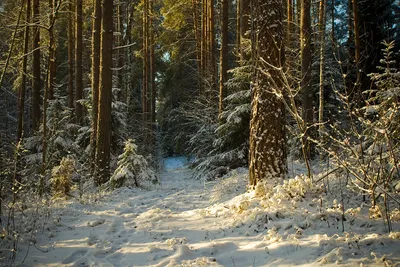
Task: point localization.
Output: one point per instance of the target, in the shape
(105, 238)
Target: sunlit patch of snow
(186, 222)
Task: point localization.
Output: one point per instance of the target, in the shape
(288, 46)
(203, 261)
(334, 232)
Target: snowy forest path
(188, 222)
(129, 227)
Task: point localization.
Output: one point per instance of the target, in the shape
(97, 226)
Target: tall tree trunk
(299, 3)
(128, 52)
(49, 89)
(96, 34)
(238, 18)
(118, 42)
(125, 56)
(120, 65)
(78, 60)
(197, 33)
(306, 89)
(333, 38)
(350, 48)
(52, 50)
(152, 66)
(36, 79)
(357, 51)
(213, 66)
(267, 136)
(223, 61)
(321, 65)
(289, 17)
(105, 95)
(7, 62)
(71, 56)
(244, 26)
(290, 55)
(145, 63)
(210, 25)
(22, 89)
(204, 47)
(133, 79)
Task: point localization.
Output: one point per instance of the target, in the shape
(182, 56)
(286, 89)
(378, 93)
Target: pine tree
(36, 73)
(267, 136)
(71, 56)
(195, 6)
(96, 31)
(22, 89)
(223, 60)
(78, 61)
(132, 169)
(321, 63)
(306, 88)
(244, 29)
(103, 143)
(51, 75)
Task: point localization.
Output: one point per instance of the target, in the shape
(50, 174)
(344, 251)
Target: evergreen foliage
(119, 126)
(219, 144)
(385, 98)
(60, 136)
(159, 71)
(133, 169)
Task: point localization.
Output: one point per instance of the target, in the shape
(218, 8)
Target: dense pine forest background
(94, 94)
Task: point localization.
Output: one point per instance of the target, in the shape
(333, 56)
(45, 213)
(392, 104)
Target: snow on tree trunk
(267, 157)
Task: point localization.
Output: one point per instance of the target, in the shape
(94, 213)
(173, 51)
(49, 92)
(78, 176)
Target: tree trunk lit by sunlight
(267, 136)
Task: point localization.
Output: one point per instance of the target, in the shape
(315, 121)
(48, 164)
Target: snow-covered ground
(186, 222)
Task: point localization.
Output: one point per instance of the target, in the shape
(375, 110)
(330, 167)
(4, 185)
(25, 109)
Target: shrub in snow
(368, 150)
(353, 211)
(383, 115)
(395, 215)
(61, 177)
(243, 204)
(364, 142)
(272, 236)
(133, 169)
(394, 235)
(263, 189)
(294, 188)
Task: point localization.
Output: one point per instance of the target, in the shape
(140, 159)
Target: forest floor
(186, 222)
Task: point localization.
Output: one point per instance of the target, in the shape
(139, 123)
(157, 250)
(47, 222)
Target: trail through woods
(186, 222)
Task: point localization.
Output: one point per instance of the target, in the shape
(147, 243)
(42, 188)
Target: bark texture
(71, 59)
(36, 79)
(223, 60)
(267, 136)
(22, 89)
(105, 95)
(306, 89)
(78, 60)
(95, 77)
